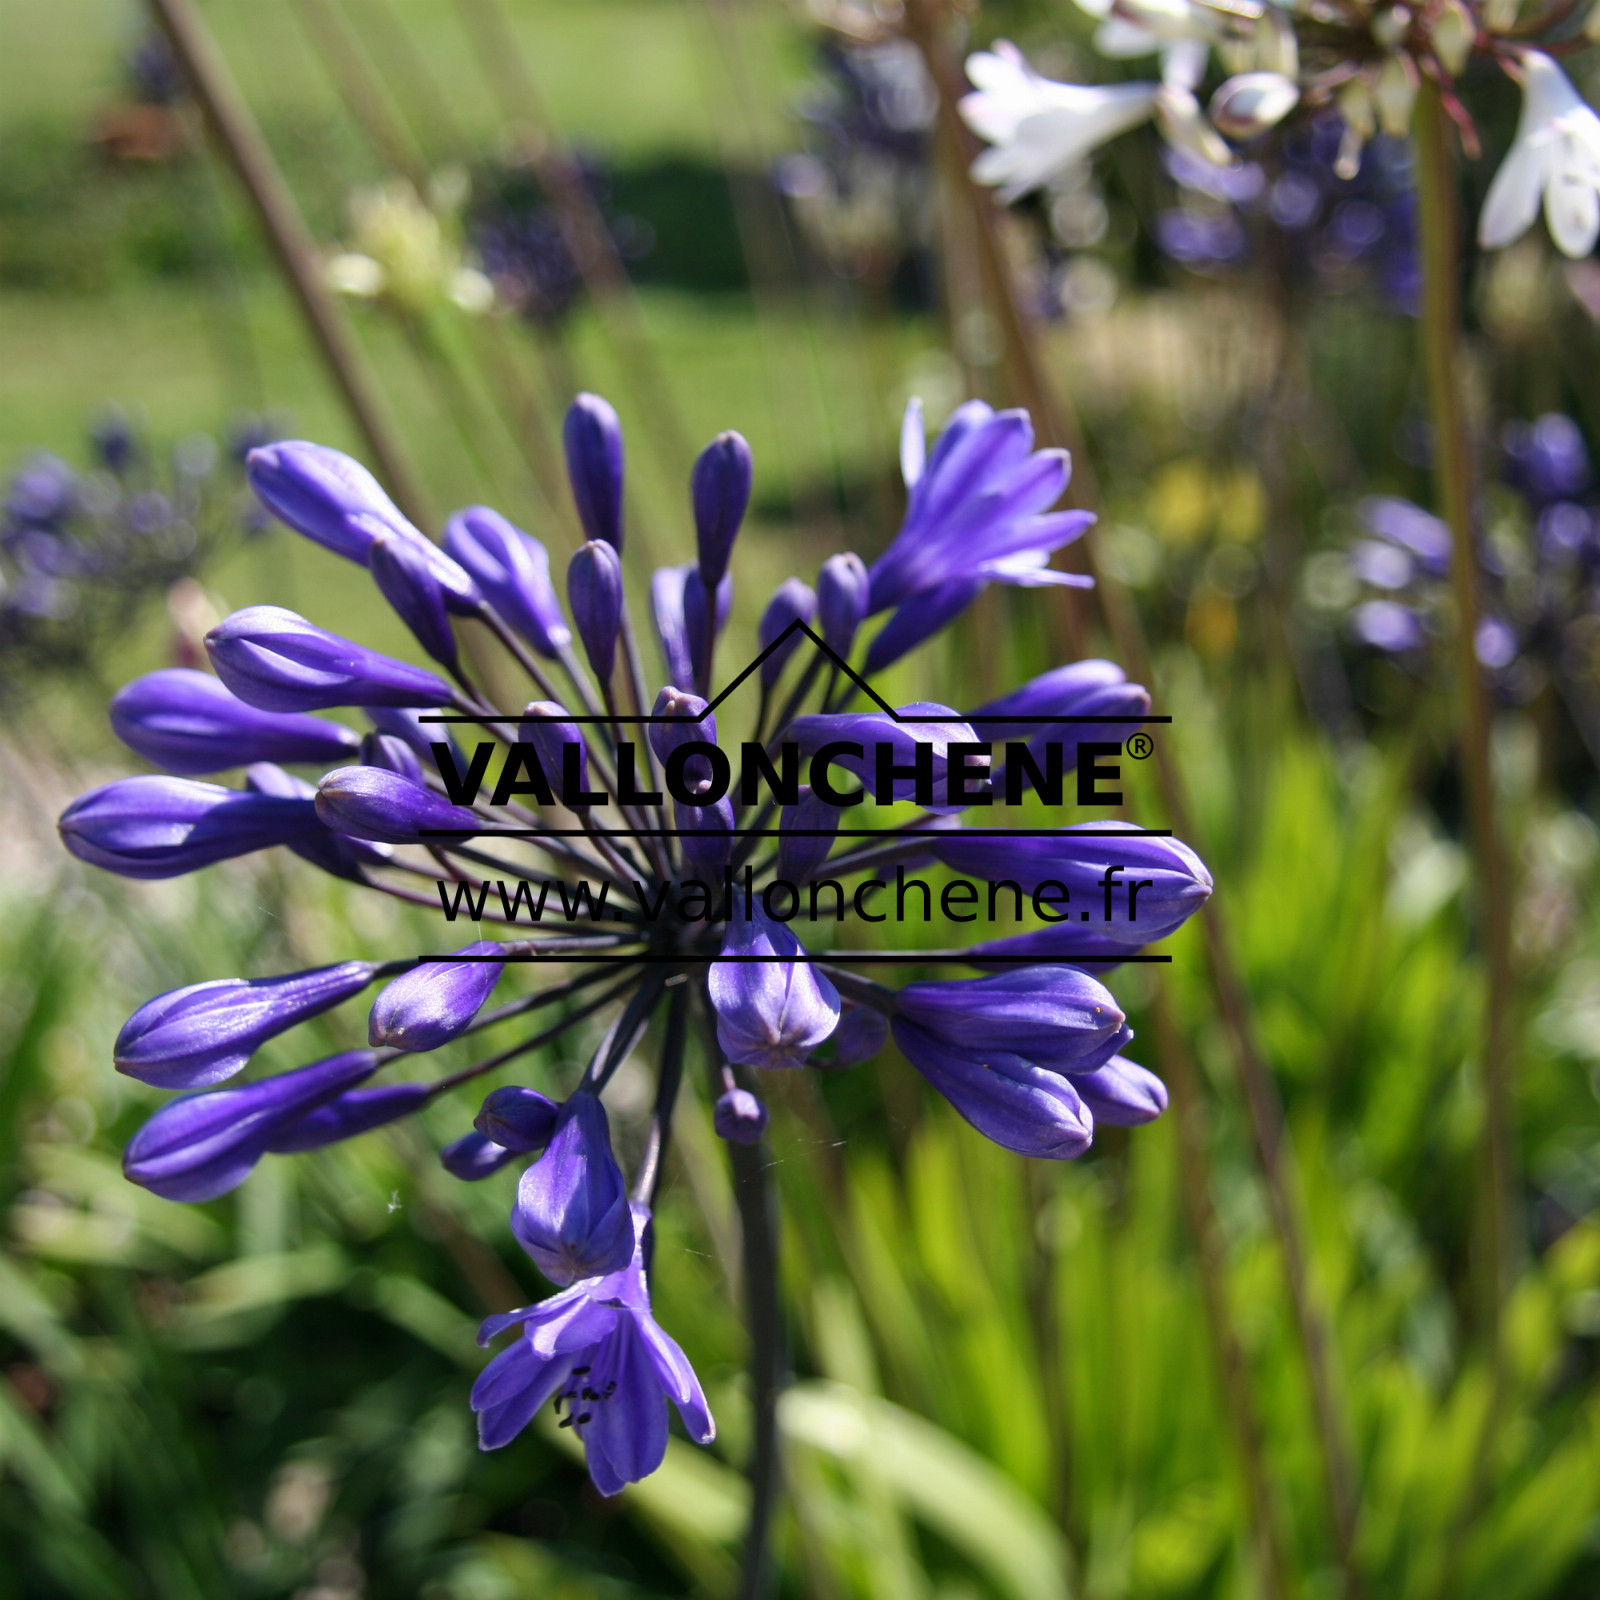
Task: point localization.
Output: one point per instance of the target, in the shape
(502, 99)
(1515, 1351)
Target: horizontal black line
(791, 833)
(958, 719)
(872, 957)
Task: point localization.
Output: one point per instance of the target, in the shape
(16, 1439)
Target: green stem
(240, 139)
(1436, 196)
(1441, 273)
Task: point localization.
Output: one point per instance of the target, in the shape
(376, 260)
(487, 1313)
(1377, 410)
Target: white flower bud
(1389, 27)
(1454, 32)
(1395, 93)
(1253, 102)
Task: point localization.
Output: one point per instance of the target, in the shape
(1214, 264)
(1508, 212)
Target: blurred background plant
(1011, 1381)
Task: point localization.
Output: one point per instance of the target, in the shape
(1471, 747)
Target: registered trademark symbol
(1140, 746)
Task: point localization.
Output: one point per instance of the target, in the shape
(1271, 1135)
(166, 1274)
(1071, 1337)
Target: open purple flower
(597, 1353)
(979, 509)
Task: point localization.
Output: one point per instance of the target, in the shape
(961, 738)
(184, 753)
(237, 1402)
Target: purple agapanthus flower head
(599, 1355)
(614, 785)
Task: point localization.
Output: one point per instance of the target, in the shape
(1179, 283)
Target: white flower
(1037, 126)
(1556, 154)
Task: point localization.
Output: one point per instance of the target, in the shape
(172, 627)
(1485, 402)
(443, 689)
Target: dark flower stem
(491, 1063)
(669, 1079)
(757, 1201)
(1441, 269)
(239, 137)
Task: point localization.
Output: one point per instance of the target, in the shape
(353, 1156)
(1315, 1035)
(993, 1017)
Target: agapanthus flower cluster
(1290, 210)
(1264, 60)
(80, 551)
(521, 241)
(861, 189)
(608, 849)
(1539, 584)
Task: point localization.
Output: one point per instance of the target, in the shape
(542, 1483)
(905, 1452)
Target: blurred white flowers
(1555, 156)
(1036, 126)
(406, 251)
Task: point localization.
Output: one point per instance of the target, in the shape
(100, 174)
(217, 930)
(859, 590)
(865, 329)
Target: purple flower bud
(842, 587)
(792, 601)
(188, 723)
(435, 1002)
(512, 570)
(1389, 626)
(861, 1034)
(772, 1012)
(1136, 888)
(1120, 1093)
(278, 661)
(1056, 1017)
(335, 853)
(355, 1111)
(739, 1117)
(806, 833)
(672, 632)
(592, 436)
(698, 726)
(572, 1212)
(720, 489)
(1410, 527)
(707, 842)
(206, 1144)
(694, 621)
(325, 495)
(405, 724)
(1019, 1105)
(191, 1038)
(887, 742)
(1495, 643)
(393, 754)
(1547, 460)
(594, 591)
(409, 584)
(1069, 944)
(1384, 566)
(158, 827)
(918, 619)
(336, 502)
(473, 1157)
(546, 728)
(373, 804)
(519, 1119)
(1083, 689)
